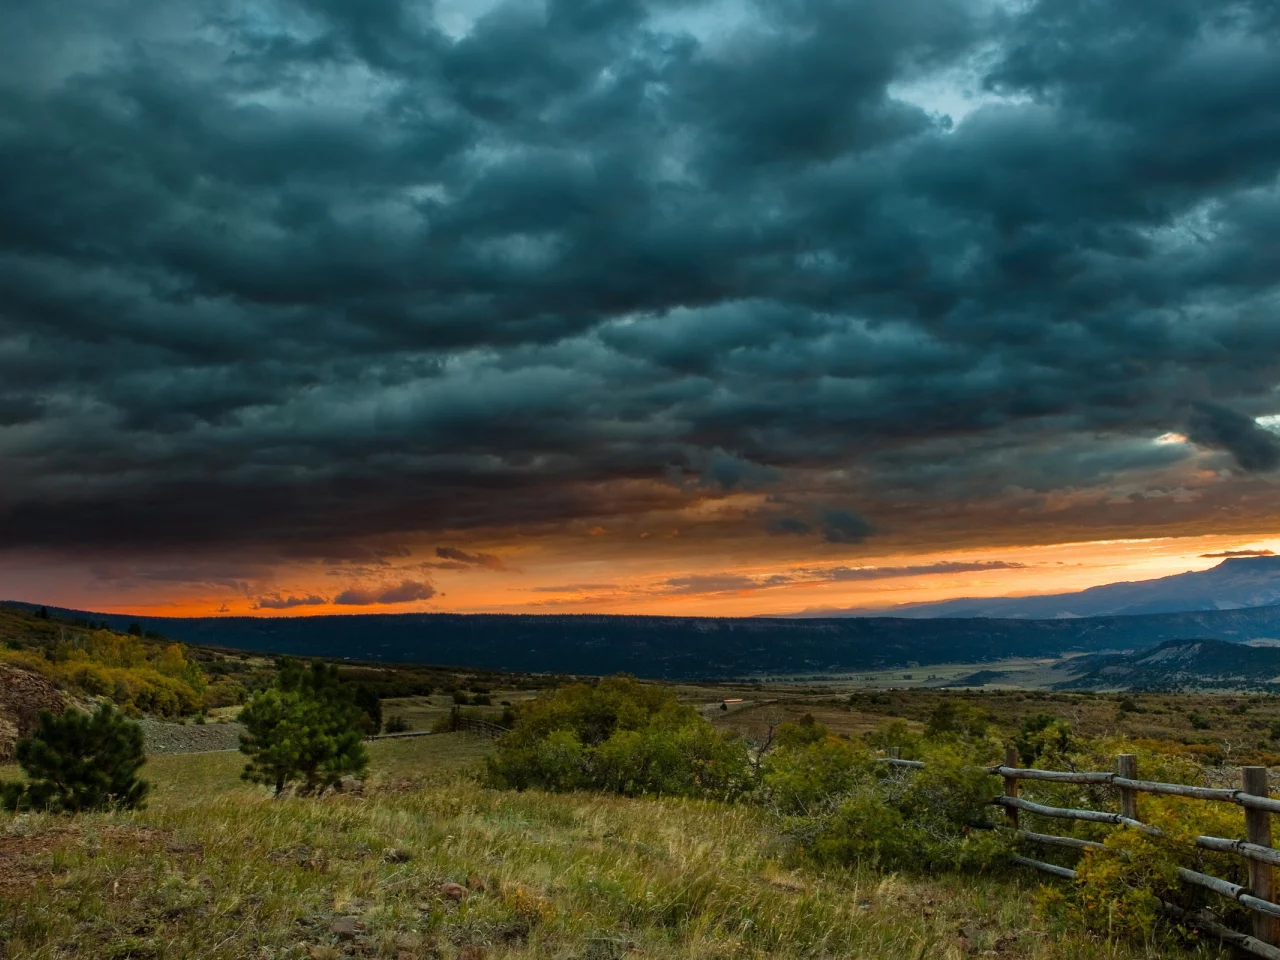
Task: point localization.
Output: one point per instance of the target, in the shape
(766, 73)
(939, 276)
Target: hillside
(1234, 583)
(1180, 664)
(688, 647)
(427, 865)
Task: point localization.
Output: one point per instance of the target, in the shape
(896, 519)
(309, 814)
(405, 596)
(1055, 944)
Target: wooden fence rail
(472, 725)
(1258, 896)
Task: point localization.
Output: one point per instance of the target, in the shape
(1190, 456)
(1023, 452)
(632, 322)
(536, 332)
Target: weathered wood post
(1011, 785)
(895, 753)
(1257, 829)
(1127, 767)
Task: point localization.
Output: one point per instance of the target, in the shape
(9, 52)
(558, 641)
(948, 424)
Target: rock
(476, 882)
(351, 785)
(397, 855)
(346, 927)
(454, 891)
(22, 696)
(472, 953)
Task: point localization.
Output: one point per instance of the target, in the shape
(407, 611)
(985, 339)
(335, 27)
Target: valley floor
(214, 868)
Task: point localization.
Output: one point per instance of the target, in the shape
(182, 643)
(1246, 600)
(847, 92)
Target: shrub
(460, 697)
(305, 727)
(800, 733)
(1042, 736)
(80, 761)
(938, 818)
(958, 720)
(621, 736)
(896, 736)
(397, 724)
(807, 779)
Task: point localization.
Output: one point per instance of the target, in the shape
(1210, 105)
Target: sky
(341, 306)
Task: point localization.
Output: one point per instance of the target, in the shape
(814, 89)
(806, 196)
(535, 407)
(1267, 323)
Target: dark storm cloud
(1254, 448)
(321, 272)
(841, 526)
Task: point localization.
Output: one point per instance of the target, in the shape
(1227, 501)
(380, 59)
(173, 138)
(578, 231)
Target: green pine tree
(306, 728)
(81, 761)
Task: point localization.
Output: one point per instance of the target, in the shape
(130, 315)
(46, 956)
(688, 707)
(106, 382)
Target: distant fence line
(484, 728)
(457, 724)
(1258, 896)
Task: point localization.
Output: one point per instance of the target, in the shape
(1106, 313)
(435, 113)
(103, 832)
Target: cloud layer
(297, 277)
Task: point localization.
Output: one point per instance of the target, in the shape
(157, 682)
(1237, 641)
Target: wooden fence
(1258, 896)
(491, 730)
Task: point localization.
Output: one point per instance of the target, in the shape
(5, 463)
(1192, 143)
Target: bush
(80, 761)
(621, 736)
(306, 727)
(958, 720)
(460, 697)
(1042, 736)
(937, 818)
(808, 779)
(397, 724)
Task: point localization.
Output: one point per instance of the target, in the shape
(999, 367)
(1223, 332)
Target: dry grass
(217, 869)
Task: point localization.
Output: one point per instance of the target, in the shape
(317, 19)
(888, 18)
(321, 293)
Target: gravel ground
(164, 737)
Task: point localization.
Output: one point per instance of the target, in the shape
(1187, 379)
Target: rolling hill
(1181, 664)
(689, 647)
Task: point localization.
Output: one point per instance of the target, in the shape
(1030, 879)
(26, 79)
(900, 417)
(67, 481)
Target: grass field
(214, 868)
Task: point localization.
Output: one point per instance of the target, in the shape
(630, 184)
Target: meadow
(426, 863)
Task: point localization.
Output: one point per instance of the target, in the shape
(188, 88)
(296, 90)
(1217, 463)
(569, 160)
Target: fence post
(1127, 767)
(1257, 827)
(895, 753)
(1011, 785)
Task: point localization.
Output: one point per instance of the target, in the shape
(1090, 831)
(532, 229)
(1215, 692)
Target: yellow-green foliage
(621, 736)
(937, 818)
(808, 779)
(136, 675)
(1119, 889)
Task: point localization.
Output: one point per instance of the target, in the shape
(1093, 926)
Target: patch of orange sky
(639, 585)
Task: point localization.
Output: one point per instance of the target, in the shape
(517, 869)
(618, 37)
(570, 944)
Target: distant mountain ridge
(1235, 583)
(691, 647)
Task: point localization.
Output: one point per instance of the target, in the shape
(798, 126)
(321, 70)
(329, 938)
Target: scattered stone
(351, 785)
(346, 927)
(454, 891)
(160, 736)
